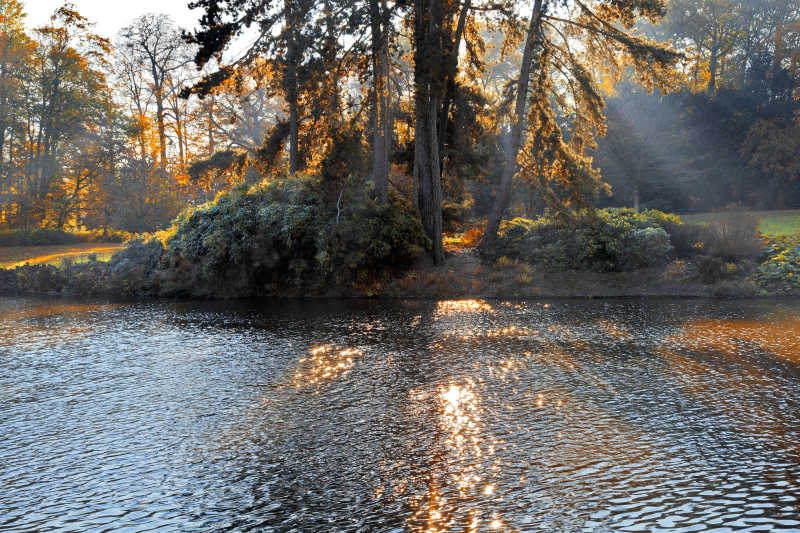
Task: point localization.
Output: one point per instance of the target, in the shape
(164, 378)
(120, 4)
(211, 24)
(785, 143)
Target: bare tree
(153, 44)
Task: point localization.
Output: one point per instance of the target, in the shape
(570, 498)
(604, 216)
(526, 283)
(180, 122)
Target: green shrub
(286, 235)
(779, 273)
(603, 240)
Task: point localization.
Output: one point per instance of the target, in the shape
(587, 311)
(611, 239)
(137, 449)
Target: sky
(112, 15)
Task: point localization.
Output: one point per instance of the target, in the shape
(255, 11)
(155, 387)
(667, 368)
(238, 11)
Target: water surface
(628, 415)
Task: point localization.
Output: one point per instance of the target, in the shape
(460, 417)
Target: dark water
(409, 416)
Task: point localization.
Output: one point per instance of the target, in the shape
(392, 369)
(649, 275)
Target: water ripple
(408, 416)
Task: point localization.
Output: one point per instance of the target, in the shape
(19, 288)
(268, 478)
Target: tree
(566, 50)
(153, 45)
(283, 36)
(711, 30)
(15, 53)
(66, 95)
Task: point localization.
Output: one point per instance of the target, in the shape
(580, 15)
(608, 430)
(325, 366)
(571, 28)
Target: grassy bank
(769, 222)
(56, 255)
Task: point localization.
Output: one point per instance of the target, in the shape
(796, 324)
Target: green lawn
(12, 256)
(771, 222)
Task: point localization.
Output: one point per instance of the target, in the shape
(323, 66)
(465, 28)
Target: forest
(420, 119)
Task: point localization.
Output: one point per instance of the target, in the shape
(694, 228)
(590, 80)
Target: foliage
(454, 214)
(604, 240)
(280, 236)
(780, 271)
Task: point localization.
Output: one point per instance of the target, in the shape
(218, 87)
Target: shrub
(454, 214)
(472, 237)
(284, 236)
(713, 269)
(780, 271)
(732, 235)
(686, 239)
(603, 240)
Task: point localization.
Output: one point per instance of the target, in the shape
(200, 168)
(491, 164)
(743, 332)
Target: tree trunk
(450, 94)
(162, 135)
(510, 167)
(380, 161)
(427, 52)
(426, 170)
(176, 110)
(291, 87)
(713, 65)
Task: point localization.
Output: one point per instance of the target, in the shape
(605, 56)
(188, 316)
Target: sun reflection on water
(465, 465)
(324, 363)
(457, 307)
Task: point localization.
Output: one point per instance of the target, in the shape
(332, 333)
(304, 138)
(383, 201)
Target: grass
(770, 222)
(13, 256)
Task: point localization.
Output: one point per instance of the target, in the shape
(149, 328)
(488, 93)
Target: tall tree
(15, 52)
(67, 95)
(154, 45)
(557, 97)
(283, 37)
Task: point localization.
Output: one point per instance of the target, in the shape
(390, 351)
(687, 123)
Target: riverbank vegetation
(350, 142)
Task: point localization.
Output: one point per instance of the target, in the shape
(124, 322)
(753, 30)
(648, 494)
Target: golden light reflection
(458, 307)
(510, 332)
(721, 370)
(464, 463)
(22, 324)
(780, 337)
(55, 308)
(324, 363)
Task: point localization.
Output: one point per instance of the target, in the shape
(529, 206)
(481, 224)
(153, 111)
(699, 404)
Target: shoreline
(458, 279)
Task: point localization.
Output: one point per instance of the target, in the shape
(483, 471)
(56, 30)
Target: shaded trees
(565, 52)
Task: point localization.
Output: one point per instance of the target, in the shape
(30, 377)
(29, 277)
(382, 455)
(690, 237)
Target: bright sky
(111, 15)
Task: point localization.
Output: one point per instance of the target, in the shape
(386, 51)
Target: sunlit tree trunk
(517, 127)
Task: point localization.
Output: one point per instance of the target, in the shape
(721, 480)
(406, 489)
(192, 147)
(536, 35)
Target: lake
(419, 416)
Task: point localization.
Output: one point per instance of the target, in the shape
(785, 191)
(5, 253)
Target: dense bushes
(780, 271)
(604, 240)
(282, 236)
(285, 237)
(43, 236)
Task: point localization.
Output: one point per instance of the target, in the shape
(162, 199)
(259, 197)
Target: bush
(603, 240)
(284, 236)
(780, 271)
(686, 239)
(454, 214)
(732, 235)
(714, 269)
